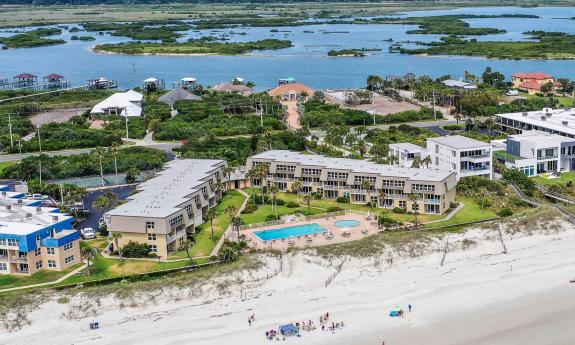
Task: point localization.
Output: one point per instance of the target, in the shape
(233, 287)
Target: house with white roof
(406, 153)
(555, 121)
(127, 103)
(458, 84)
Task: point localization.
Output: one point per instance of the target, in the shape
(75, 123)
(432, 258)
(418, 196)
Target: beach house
(533, 82)
(462, 155)
(291, 92)
(127, 103)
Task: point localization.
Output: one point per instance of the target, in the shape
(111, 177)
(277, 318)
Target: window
(151, 237)
(50, 251)
(288, 168)
(150, 225)
(393, 183)
(3, 266)
(422, 187)
(38, 264)
(358, 179)
(308, 171)
(38, 238)
(153, 248)
(177, 220)
(12, 242)
(69, 259)
(2, 241)
(402, 203)
(52, 263)
(338, 175)
(37, 252)
(68, 246)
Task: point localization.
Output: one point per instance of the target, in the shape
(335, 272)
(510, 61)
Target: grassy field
(204, 242)
(564, 178)
(563, 100)
(9, 281)
(4, 165)
(471, 212)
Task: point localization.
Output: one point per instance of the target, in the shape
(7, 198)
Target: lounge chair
(309, 239)
(364, 231)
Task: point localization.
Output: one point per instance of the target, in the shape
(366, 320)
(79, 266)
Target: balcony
(330, 187)
(480, 158)
(23, 259)
(554, 156)
(283, 179)
(432, 201)
(3, 258)
(178, 234)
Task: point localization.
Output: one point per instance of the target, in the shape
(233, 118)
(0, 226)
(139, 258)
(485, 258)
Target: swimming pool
(346, 223)
(298, 230)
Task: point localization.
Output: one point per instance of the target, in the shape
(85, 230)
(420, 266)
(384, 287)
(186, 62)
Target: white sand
(479, 296)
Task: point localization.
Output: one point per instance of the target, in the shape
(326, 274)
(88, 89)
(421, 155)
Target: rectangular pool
(290, 231)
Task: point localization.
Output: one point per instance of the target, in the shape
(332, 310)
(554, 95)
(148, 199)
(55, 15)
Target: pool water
(347, 223)
(298, 230)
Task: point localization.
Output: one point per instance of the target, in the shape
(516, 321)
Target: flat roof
(555, 122)
(542, 138)
(407, 147)
(458, 142)
(24, 220)
(354, 165)
(160, 196)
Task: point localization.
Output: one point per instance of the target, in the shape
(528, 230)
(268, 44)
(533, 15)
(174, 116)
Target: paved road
(16, 157)
(431, 125)
(95, 214)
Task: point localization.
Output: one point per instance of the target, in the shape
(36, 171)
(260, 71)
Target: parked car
(88, 233)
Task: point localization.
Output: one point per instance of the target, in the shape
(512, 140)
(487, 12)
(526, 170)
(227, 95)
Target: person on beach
(409, 306)
(321, 319)
(249, 321)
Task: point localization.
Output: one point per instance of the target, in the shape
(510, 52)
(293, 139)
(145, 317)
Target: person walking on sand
(409, 307)
(250, 321)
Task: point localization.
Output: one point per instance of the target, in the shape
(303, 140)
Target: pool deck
(338, 235)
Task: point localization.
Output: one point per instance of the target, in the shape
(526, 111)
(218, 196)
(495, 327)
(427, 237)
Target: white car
(88, 233)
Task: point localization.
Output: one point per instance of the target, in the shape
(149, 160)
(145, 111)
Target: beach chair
(309, 239)
(364, 231)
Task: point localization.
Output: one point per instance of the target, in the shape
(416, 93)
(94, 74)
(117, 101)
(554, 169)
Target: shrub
(342, 200)
(399, 210)
(270, 217)
(135, 250)
(334, 209)
(505, 212)
(292, 204)
(453, 204)
(250, 208)
(452, 128)
(104, 231)
(317, 196)
(280, 202)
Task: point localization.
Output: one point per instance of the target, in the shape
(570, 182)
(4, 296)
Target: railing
(302, 218)
(3, 258)
(547, 157)
(432, 201)
(474, 169)
(178, 234)
(22, 271)
(19, 259)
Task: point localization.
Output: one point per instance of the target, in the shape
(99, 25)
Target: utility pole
(62, 194)
(10, 128)
(433, 104)
(40, 157)
(127, 134)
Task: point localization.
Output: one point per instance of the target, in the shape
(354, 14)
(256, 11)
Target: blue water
(346, 223)
(307, 60)
(298, 230)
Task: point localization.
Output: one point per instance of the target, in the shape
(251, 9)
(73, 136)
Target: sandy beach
(479, 296)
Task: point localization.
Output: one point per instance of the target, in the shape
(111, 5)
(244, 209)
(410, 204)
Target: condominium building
(406, 153)
(389, 185)
(535, 152)
(462, 155)
(34, 237)
(555, 121)
(169, 206)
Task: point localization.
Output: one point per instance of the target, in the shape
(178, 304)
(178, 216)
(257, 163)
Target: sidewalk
(59, 280)
(229, 229)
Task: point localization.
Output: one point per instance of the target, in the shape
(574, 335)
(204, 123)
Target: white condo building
(462, 155)
(406, 153)
(555, 121)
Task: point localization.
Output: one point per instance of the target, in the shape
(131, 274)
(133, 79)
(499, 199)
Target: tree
(210, 215)
(262, 174)
(227, 253)
(236, 222)
(547, 88)
(382, 197)
(426, 161)
(362, 148)
(414, 198)
(274, 189)
(114, 151)
(374, 82)
(104, 201)
(307, 200)
(416, 163)
(227, 171)
(132, 175)
(366, 185)
(116, 237)
(187, 245)
(87, 253)
(99, 152)
(296, 186)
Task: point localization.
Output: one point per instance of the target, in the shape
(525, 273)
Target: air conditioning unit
(38, 209)
(524, 113)
(565, 123)
(543, 118)
(54, 218)
(8, 207)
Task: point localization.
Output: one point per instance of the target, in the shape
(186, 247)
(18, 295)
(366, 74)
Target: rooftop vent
(548, 114)
(524, 113)
(565, 123)
(3, 193)
(38, 209)
(543, 118)
(28, 215)
(54, 218)
(20, 201)
(8, 207)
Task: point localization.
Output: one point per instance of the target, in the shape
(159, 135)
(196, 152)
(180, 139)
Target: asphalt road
(95, 214)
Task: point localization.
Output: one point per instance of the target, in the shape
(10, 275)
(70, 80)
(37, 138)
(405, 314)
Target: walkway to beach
(59, 280)
(293, 115)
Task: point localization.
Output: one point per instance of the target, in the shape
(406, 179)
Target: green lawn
(4, 165)
(204, 242)
(564, 178)
(471, 212)
(321, 206)
(10, 281)
(567, 102)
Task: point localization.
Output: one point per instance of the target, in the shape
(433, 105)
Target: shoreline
(480, 296)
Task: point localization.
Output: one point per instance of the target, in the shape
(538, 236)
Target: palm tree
(219, 187)
(296, 186)
(414, 198)
(366, 185)
(274, 191)
(88, 253)
(383, 196)
(262, 174)
(416, 163)
(457, 118)
(236, 222)
(251, 175)
(187, 245)
(115, 237)
(210, 215)
(307, 199)
(427, 161)
(99, 152)
(114, 151)
(227, 171)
